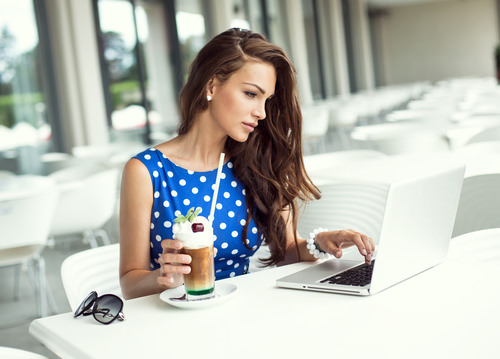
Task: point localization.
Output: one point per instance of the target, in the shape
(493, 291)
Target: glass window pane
(247, 14)
(191, 30)
(160, 90)
(138, 74)
(24, 130)
(313, 58)
(116, 20)
(277, 24)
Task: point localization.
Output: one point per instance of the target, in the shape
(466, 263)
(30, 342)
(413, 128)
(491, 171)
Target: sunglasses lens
(86, 304)
(106, 308)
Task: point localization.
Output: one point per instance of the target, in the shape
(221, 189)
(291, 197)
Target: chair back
(27, 206)
(487, 134)
(480, 147)
(315, 121)
(400, 138)
(479, 205)
(91, 269)
(88, 198)
(346, 204)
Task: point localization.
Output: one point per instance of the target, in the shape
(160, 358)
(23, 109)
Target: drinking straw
(216, 189)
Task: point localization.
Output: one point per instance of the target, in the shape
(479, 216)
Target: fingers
(364, 243)
(171, 245)
(346, 238)
(173, 264)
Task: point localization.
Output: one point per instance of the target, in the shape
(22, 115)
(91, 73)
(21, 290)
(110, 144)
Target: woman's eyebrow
(261, 90)
(257, 86)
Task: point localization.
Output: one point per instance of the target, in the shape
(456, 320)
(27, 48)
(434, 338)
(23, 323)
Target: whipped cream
(183, 231)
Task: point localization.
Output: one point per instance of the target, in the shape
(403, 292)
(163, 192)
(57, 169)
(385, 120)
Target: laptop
(416, 229)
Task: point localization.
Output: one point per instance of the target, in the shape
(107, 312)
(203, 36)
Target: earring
(209, 98)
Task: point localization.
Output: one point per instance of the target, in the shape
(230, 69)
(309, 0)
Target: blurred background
(85, 73)
(86, 84)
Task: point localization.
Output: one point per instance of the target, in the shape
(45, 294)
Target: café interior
(85, 85)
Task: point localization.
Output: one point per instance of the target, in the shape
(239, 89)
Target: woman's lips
(249, 126)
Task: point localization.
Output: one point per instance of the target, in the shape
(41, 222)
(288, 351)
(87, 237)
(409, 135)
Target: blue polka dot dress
(176, 190)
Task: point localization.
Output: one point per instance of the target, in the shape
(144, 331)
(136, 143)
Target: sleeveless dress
(176, 190)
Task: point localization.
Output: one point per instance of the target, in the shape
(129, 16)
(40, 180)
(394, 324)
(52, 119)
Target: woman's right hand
(173, 264)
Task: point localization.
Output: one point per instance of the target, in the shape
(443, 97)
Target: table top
(450, 310)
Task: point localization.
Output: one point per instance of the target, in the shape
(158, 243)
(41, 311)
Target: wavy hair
(269, 163)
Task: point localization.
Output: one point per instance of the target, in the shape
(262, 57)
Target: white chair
(314, 127)
(56, 161)
(400, 137)
(343, 117)
(479, 205)
(346, 204)
(14, 353)
(487, 134)
(91, 269)
(465, 129)
(87, 202)
(480, 147)
(255, 264)
(324, 164)
(27, 206)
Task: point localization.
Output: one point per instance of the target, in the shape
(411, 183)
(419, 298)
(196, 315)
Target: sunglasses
(105, 308)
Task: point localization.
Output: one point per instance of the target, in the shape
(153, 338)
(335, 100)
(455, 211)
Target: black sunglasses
(105, 308)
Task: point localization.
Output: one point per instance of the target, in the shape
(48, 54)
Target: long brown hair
(269, 163)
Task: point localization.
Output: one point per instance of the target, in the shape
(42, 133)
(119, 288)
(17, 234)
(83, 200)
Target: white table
(450, 311)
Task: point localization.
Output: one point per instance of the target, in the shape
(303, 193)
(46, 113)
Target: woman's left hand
(334, 241)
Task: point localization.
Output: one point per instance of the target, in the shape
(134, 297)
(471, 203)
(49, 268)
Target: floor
(16, 315)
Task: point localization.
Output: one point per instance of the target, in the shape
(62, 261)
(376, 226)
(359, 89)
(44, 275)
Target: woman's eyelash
(250, 94)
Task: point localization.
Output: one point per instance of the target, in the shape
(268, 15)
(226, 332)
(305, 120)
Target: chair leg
(103, 234)
(91, 239)
(50, 299)
(17, 282)
(41, 292)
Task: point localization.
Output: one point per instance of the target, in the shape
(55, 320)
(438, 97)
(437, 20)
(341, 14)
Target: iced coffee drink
(196, 233)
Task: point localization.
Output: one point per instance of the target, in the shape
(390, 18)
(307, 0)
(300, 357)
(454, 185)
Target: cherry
(197, 227)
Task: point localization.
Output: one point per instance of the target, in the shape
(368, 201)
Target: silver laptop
(416, 229)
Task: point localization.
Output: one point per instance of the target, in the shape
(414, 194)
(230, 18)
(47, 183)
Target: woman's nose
(260, 112)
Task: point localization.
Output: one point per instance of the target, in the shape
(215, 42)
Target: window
(137, 76)
(276, 24)
(311, 24)
(191, 30)
(25, 131)
(249, 14)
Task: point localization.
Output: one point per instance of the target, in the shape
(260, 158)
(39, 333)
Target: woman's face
(239, 103)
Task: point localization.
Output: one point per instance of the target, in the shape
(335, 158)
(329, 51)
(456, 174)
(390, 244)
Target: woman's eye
(250, 94)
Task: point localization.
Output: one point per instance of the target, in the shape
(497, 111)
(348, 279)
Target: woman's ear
(211, 86)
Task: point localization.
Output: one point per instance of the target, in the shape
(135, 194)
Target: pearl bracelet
(313, 247)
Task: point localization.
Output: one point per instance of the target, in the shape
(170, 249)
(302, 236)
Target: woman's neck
(199, 149)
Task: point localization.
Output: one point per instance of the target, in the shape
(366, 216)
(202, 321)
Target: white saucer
(176, 297)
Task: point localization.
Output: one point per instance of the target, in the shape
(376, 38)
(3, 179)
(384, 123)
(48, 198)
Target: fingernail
(364, 252)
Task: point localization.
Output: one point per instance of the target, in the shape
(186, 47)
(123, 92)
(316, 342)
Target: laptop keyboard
(358, 276)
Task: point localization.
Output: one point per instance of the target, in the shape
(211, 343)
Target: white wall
(434, 41)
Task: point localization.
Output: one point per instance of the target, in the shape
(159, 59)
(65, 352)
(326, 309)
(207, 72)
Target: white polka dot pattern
(177, 189)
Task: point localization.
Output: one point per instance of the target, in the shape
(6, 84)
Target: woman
(240, 99)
